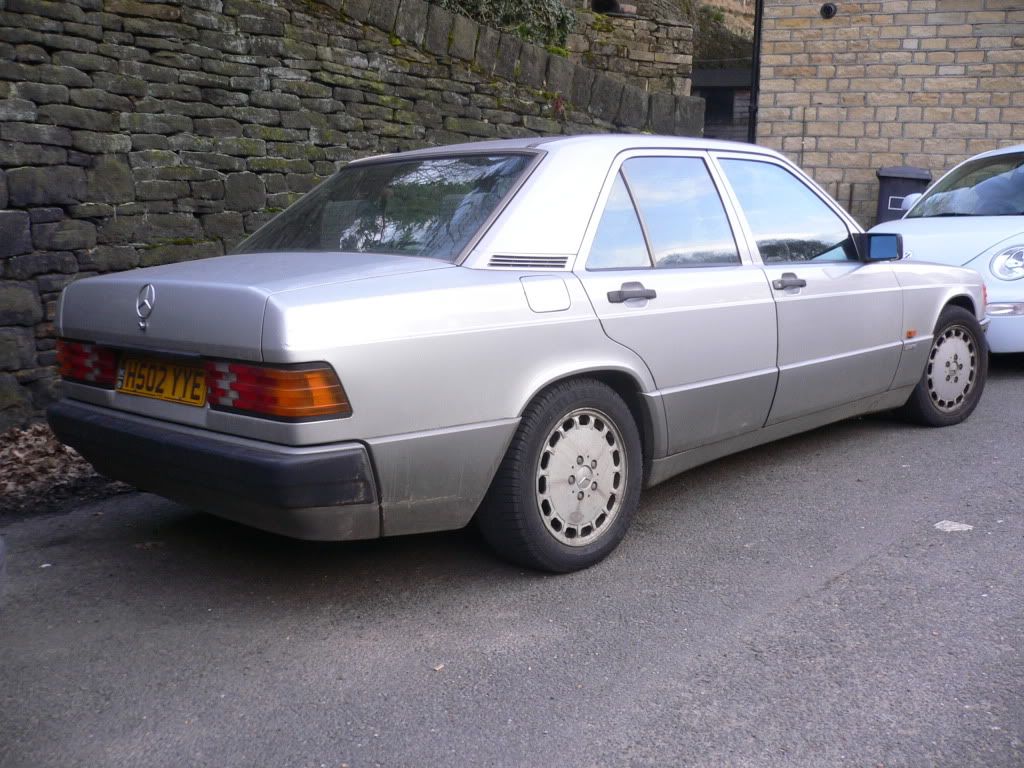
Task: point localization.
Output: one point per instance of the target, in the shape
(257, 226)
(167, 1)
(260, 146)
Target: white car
(974, 217)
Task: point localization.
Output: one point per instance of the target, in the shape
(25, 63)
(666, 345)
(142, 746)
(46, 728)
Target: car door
(668, 279)
(839, 318)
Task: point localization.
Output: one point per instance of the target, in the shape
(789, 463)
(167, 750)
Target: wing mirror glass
(878, 246)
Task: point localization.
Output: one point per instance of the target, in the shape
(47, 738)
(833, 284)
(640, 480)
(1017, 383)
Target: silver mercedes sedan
(521, 333)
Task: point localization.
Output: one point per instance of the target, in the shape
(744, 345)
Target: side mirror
(909, 200)
(878, 246)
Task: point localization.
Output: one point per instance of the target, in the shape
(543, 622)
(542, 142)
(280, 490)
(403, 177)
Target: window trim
(736, 222)
(640, 221)
(852, 226)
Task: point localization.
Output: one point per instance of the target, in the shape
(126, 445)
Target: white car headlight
(1008, 264)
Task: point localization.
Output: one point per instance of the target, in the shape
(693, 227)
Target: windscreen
(988, 186)
(424, 207)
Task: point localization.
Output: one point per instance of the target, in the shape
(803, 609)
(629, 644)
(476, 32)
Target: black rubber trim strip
(155, 458)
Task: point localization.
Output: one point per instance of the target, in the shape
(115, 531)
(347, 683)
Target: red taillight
(283, 393)
(87, 363)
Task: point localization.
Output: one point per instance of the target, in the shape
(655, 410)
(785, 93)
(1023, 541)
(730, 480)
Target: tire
(954, 374)
(569, 484)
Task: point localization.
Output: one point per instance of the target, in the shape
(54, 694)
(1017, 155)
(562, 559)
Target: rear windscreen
(425, 207)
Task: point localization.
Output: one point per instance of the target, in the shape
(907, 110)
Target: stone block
(54, 283)
(46, 215)
(31, 264)
(56, 185)
(85, 62)
(101, 143)
(542, 125)
(141, 122)
(689, 116)
(16, 153)
(161, 189)
(606, 97)
(77, 117)
(96, 98)
(68, 235)
(411, 24)
(19, 304)
(463, 39)
(111, 258)
(171, 253)
(153, 158)
(559, 75)
(223, 225)
(41, 93)
(3, 190)
(15, 403)
(382, 14)
(582, 87)
(244, 192)
(33, 133)
(487, 49)
(470, 127)
(632, 108)
(439, 26)
(17, 109)
(110, 180)
(507, 58)
(662, 113)
(533, 65)
(17, 348)
(213, 160)
(15, 233)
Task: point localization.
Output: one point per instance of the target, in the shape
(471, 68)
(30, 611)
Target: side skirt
(670, 466)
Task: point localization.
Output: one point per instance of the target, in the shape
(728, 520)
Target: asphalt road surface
(794, 605)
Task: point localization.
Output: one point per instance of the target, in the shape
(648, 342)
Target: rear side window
(789, 221)
(427, 207)
(683, 215)
(678, 219)
(619, 242)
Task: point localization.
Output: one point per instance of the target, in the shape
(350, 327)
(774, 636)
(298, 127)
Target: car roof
(1001, 151)
(607, 143)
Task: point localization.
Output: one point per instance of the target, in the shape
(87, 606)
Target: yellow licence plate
(175, 382)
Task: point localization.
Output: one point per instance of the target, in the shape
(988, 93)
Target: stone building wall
(887, 83)
(136, 133)
(655, 55)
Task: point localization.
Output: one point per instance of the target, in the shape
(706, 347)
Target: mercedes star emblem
(144, 304)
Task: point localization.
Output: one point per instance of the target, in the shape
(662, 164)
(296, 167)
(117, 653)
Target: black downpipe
(755, 73)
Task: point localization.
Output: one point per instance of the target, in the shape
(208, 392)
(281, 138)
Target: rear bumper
(310, 493)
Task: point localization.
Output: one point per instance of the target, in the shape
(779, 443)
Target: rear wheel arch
(570, 481)
(627, 386)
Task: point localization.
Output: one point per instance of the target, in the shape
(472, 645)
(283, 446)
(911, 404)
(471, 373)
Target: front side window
(426, 207)
(988, 186)
(789, 221)
(683, 215)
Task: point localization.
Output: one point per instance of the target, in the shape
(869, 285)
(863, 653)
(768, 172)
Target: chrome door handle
(631, 291)
(788, 280)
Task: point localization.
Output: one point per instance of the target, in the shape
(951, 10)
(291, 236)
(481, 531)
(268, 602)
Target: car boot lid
(213, 307)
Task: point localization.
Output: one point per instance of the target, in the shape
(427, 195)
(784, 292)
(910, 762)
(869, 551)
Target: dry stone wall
(653, 54)
(887, 83)
(137, 133)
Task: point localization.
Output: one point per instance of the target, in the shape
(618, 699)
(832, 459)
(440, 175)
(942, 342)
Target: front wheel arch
(955, 371)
